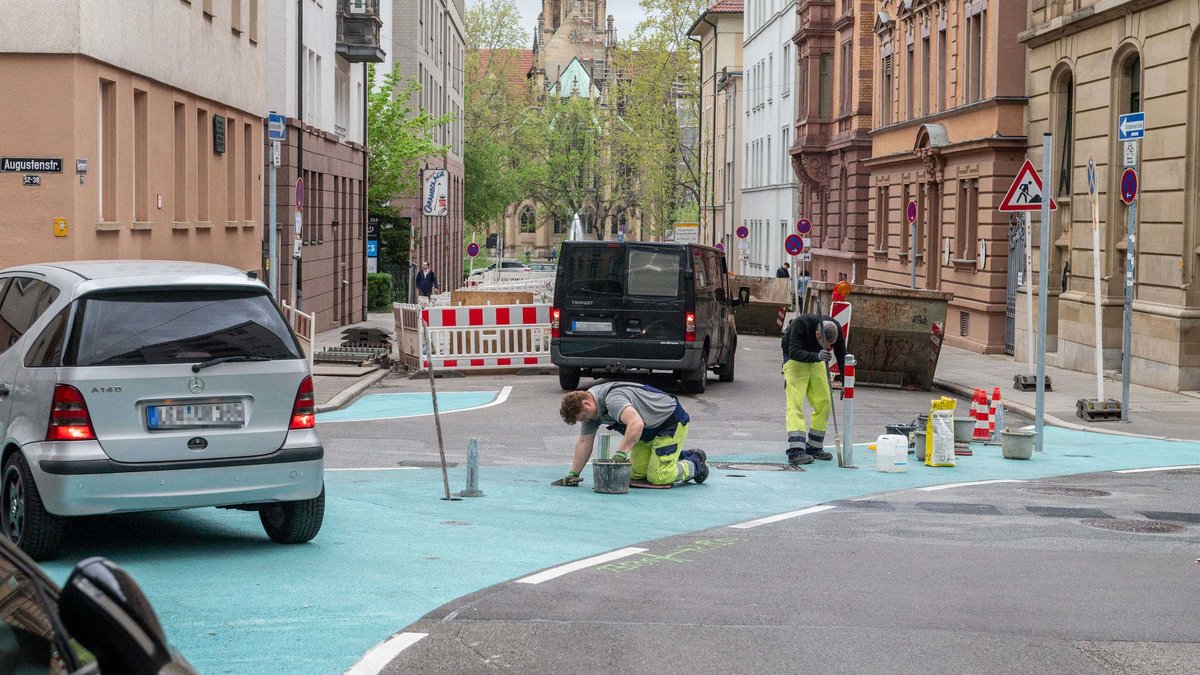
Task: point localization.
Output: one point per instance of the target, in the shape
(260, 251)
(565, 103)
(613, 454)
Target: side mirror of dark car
(743, 297)
(103, 608)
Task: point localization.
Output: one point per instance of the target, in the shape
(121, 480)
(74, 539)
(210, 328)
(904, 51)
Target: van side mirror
(103, 607)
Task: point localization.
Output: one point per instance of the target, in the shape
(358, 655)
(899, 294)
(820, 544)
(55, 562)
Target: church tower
(569, 30)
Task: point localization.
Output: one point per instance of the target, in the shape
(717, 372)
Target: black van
(629, 306)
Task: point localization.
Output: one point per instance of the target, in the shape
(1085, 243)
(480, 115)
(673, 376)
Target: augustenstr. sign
(31, 164)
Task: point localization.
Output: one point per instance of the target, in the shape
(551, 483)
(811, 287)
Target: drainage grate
(1191, 518)
(1063, 491)
(1134, 526)
(865, 504)
(961, 508)
(754, 466)
(1057, 512)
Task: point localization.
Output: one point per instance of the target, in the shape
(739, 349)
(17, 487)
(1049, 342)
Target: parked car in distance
(99, 622)
(151, 385)
(543, 267)
(639, 306)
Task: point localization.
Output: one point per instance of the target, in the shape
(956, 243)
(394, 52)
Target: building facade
(428, 46)
(719, 32)
(949, 136)
(325, 131)
(1090, 62)
(834, 48)
(769, 187)
(135, 156)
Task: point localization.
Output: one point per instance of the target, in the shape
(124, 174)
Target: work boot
(799, 458)
(700, 460)
(819, 454)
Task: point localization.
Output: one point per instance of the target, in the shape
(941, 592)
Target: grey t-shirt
(613, 397)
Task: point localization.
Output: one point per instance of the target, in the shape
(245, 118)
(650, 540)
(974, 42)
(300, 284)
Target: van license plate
(591, 326)
(228, 415)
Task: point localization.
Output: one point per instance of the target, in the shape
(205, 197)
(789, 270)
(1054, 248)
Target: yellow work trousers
(657, 462)
(806, 380)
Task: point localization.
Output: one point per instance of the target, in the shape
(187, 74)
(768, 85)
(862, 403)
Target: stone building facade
(949, 135)
(1090, 62)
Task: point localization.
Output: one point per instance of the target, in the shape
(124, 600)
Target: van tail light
(689, 327)
(555, 315)
(69, 419)
(304, 413)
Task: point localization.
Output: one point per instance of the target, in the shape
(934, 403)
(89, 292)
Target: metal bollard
(605, 440)
(848, 412)
(472, 470)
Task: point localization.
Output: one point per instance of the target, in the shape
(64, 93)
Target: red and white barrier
(840, 310)
(980, 413)
(992, 413)
(486, 337)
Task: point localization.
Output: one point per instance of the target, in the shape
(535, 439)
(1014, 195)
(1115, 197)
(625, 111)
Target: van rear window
(653, 273)
(595, 270)
(174, 326)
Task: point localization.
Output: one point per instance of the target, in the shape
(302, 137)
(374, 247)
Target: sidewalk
(335, 386)
(1153, 412)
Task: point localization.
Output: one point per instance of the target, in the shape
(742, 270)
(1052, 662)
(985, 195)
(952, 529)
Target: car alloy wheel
(14, 505)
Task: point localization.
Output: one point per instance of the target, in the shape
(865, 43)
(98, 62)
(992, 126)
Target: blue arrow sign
(276, 127)
(1131, 126)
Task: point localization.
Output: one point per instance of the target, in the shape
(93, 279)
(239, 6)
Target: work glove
(572, 479)
(621, 457)
(825, 355)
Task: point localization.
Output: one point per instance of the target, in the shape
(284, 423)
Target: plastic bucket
(1015, 444)
(919, 445)
(964, 429)
(611, 478)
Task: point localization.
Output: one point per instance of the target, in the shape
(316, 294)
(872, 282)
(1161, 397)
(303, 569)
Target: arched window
(560, 225)
(1064, 103)
(588, 220)
(528, 220)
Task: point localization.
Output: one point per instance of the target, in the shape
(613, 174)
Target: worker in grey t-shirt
(653, 426)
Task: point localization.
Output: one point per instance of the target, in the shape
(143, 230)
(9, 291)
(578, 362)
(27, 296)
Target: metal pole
(1096, 293)
(1028, 289)
(912, 275)
(366, 211)
(472, 470)
(272, 225)
(437, 418)
(848, 411)
(1043, 290)
(796, 299)
(1130, 262)
(300, 58)
(605, 444)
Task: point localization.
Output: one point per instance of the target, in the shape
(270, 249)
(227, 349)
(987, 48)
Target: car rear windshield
(620, 270)
(177, 326)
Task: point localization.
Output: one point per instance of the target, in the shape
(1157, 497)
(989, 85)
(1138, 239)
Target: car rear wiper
(226, 359)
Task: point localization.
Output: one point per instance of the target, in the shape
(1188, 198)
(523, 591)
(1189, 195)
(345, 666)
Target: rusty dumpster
(895, 333)
(770, 300)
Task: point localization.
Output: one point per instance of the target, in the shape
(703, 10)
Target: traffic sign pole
(1029, 290)
(273, 225)
(1039, 421)
(1099, 356)
(911, 214)
(1127, 338)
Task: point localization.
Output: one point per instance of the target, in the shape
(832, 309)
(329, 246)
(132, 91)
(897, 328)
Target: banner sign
(435, 195)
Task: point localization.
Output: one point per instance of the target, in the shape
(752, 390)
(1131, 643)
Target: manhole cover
(1063, 491)
(754, 466)
(1135, 526)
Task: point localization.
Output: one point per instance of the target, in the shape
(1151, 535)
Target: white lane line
(1160, 468)
(376, 468)
(781, 516)
(947, 486)
(382, 654)
(555, 572)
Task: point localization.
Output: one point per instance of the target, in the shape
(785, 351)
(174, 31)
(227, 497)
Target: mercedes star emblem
(196, 385)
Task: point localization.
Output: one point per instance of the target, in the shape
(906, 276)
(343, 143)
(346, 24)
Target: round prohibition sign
(743, 232)
(472, 249)
(794, 244)
(720, 247)
(911, 211)
(1129, 186)
(804, 226)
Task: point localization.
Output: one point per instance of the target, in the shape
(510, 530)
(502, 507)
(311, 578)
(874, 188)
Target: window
(1133, 82)
(528, 220)
(825, 95)
(141, 198)
(202, 152)
(802, 90)
(846, 68)
(925, 83)
(976, 51)
(904, 226)
(882, 214)
(231, 167)
(248, 172)
(235, 16)
(885, 92)
(1066, 122)
(19, 309)
(941, 81)
(107, 175)
(46, 351)
(252, 23)
(968, 218)
(341, 94)
(785, 135)
(785, 69)
(180, 195)
(910, 84)
(654, 273)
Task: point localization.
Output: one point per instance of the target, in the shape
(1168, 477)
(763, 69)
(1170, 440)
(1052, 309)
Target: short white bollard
(472, 470)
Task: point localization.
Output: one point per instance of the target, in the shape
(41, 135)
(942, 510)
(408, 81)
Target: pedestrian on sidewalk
(653, 425)
(427, 285)
(784, 272)
(809, 342)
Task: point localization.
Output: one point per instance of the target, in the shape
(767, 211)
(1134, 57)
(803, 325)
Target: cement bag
(939, 433)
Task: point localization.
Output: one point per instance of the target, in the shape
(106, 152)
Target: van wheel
(568, 379)
(696, 381)
(25, 520)
(294, 522)
(725, 370)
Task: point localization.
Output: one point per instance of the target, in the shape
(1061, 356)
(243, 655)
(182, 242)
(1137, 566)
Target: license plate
(229, 415)
(591, 326)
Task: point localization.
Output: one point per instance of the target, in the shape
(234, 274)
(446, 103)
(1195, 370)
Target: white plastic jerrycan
(891, 453)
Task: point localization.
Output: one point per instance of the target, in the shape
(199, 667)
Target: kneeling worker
(654, 427)
(809, 342)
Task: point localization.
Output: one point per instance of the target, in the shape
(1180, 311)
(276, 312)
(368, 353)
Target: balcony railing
(358, 25)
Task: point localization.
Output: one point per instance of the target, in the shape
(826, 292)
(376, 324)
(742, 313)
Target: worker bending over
(808, 343)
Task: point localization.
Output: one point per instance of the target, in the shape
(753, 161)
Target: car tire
(568, 379)
(725, 370)
(25, 520)
(697, 381)
(294, 522)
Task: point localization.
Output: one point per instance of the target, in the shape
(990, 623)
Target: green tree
(398, 138)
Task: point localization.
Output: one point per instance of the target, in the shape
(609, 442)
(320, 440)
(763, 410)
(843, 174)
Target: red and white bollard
(980, 413)
(848, 413)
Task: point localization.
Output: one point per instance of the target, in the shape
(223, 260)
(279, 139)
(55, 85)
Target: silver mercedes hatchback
(151, 385)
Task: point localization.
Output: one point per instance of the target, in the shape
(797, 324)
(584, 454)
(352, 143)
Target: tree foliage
(398, 138)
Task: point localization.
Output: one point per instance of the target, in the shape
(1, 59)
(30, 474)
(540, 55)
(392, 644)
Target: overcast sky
(626, 14)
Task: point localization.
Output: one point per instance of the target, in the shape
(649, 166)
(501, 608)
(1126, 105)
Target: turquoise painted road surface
(394, 406)
(391, 550)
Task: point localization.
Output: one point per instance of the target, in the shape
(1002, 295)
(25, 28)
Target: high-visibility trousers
(657, 461)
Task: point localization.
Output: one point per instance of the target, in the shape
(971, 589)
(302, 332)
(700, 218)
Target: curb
(350, 393)
(1026, 411)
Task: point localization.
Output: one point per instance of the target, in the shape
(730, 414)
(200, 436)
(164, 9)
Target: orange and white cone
(981, 416)
(992, 413)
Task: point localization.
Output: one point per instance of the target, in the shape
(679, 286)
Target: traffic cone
(992, 413)
(981, 416)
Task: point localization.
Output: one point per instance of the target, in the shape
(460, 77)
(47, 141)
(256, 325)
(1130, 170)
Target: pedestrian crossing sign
(1026, 193)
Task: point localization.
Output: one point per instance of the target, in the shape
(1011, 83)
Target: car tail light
(689, 327)
(304, 414)
(555, 315)
(69, 419)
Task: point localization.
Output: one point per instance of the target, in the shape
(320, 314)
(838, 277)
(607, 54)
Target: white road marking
(1160, 468)
(382, 654)
(947, 486)
(555, 572)
(781, 516)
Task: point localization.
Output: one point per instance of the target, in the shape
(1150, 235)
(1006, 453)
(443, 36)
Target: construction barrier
(486, 338)
(304, 326)
(408, 333)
